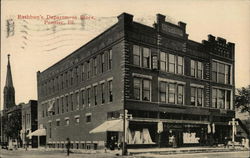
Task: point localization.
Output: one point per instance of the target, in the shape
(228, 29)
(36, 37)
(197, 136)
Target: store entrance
(178, 138)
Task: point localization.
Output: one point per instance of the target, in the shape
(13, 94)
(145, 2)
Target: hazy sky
(35, 45)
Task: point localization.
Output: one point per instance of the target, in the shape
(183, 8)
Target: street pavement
(60, 154)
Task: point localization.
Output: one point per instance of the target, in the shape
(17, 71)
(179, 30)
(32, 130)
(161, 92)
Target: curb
(186, 151)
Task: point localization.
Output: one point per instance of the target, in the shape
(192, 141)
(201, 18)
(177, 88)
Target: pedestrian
(112, 144)
(68, 146)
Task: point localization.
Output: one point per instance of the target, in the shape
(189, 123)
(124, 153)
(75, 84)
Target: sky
(36, 44)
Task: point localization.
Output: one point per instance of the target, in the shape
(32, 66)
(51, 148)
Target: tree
(242, 100)
(14, 125)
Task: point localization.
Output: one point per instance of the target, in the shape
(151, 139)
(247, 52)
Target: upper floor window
(102, 93)
(110, 89)
(72, 102)
(197, 96)
(77, 74)
(88, 97)
(62, 104)
(180, 65)
(88, 118)
(142, 89)
(171, 92)
(196, 69)
(95, 95)
(110, 59)
(82, 71)
(88, 69)
(77, 100)
(221, 72)
(67, 103)
(141, 56)
(95, 66)
(71, 77)
(221, 98)
(83, 97)
(102, 62)
(67, 121)
(171, 63)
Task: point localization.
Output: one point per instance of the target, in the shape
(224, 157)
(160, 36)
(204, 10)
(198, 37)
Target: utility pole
(234, 130)
(125, 117)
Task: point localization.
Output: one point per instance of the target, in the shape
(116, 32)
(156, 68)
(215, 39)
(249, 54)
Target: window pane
(146, 90)
(171, 60)
(136, 54)
(227, 74)
(221, 68)
(228, 100)
(171, 93)
(214, 98)
(137, 88)
(193, 95)
(214, 76)
(146, 84)
(163, 56)
(180, 65)
(199, 96)
(180, 94)
(162, 91)
(214, 66)
(221, 97)
(146, 57)
(193, 68)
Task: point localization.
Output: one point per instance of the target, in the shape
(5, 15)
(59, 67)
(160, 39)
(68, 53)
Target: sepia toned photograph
(136, 79)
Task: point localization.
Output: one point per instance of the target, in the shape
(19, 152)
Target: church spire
(9, 82)
(9, 91)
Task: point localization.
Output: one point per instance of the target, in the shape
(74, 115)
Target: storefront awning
(39, 132)
(112, 125)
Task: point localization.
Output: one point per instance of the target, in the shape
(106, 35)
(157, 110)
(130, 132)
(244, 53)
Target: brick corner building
(178, 91)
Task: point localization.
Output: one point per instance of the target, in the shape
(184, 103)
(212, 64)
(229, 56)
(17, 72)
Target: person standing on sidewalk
(68, 146)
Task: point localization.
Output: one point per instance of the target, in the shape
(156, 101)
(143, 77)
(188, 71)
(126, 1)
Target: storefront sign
(171, 29)
(190, 138)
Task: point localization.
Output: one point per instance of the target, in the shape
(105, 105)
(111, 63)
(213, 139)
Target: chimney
(125, 18)
(160, 18)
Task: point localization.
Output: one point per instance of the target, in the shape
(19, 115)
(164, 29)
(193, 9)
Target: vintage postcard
(103, 78)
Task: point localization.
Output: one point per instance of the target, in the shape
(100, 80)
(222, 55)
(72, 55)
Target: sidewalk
(141, 151)
(168, 151)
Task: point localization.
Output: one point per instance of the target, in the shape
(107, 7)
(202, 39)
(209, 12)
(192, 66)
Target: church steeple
(9, 91)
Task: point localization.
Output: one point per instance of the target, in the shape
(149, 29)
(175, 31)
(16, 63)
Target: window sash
(146, 57)
(136, 55)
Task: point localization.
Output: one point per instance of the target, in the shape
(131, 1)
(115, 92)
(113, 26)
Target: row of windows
(97, 94)
(221, 72)
(174, 92)
(76, 121)
(26, 119)
(102, 62)
(67, 122)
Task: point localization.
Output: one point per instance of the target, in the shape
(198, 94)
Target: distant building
(172, 86)
(29, 124)
(9, 105)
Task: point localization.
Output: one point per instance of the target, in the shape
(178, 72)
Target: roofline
(80, 47)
